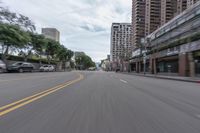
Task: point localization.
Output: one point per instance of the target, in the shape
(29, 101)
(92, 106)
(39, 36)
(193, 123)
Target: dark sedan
(21, 67)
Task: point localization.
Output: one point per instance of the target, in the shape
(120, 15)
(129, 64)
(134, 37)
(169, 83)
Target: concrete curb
(160, 77)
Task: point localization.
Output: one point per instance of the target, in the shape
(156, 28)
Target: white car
(47, 68)
(2, 66)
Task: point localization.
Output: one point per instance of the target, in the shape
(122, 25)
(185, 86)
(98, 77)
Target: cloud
(84, 24)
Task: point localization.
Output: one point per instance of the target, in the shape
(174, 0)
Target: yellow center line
(27, 98)
(15, 105)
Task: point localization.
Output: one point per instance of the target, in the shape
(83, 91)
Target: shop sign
(169, 52)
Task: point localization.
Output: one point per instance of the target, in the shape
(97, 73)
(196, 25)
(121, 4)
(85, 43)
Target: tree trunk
(5, 54)
(25, 59)
(40, 60)
(48, 58)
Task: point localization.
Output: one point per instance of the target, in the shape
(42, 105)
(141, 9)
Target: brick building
(174, 47)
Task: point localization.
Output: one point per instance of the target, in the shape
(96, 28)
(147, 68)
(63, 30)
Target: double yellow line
(15, 105)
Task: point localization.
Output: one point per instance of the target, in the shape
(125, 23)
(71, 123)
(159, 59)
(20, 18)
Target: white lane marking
(123, 81)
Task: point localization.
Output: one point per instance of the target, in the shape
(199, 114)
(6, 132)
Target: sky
(84, 25)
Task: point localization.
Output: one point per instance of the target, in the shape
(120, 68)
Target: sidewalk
(177, 78)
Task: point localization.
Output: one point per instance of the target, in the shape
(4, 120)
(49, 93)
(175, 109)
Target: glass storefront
(133, 67)
(168, 66)
(197, 62)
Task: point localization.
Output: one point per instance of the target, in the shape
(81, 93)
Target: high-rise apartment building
(181, 6)
(149, 15)
(168, 10)
(152, 16)
(121, 46)
(191, 2)
(138, 22)
(51, 33)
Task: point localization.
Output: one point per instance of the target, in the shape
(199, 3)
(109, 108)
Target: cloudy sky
(84, 24)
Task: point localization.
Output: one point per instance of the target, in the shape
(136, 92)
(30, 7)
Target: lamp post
(143, 51)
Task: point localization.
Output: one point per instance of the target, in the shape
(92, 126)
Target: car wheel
(21, 70)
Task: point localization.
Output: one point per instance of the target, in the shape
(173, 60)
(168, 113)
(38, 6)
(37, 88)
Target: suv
(21, 67)
(47, 68)
(2, 66)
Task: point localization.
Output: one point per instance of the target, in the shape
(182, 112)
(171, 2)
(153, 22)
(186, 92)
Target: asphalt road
(101, 102)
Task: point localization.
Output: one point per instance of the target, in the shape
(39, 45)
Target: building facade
(168, 10)
(174, 47)
(191, 3)
(152, 16)
(181, 6)
(51, 33)
(121, 46)
(138, 22)
(149, 15)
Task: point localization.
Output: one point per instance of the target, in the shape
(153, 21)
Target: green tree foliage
(17, 33)
(9, 17)
(51, 49)
(64, 54)
(38, 43)
(83, 61)
(12, 36)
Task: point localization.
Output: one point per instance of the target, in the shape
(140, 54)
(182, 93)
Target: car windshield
(45, 66)
(17, 64)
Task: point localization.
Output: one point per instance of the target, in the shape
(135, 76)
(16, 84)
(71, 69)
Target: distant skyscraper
(121, 46)
(51, 33)
(138, 22)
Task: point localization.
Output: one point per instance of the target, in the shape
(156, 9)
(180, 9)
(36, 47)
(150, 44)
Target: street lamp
(143, 51)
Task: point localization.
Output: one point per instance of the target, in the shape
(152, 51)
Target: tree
(38, 43)
(20, 20)
(83, 61)
(51, 49)
(12, 37)
(64, 55)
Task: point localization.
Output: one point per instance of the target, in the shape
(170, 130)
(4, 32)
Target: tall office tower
(51, 33)
(138, 22)
(152, 16)
(168, 10)
(121, 46)
(181, 6)
(191, 2)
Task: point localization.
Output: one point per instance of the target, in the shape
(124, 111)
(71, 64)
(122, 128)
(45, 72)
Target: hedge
(19, 58)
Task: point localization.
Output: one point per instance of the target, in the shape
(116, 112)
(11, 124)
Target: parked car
(2, 66)
(20, 67)
(92, 69)
(47, 68)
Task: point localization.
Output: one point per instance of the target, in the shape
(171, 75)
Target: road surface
(97, 102)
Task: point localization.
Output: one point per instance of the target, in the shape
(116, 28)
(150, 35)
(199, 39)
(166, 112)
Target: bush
(19, 58)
